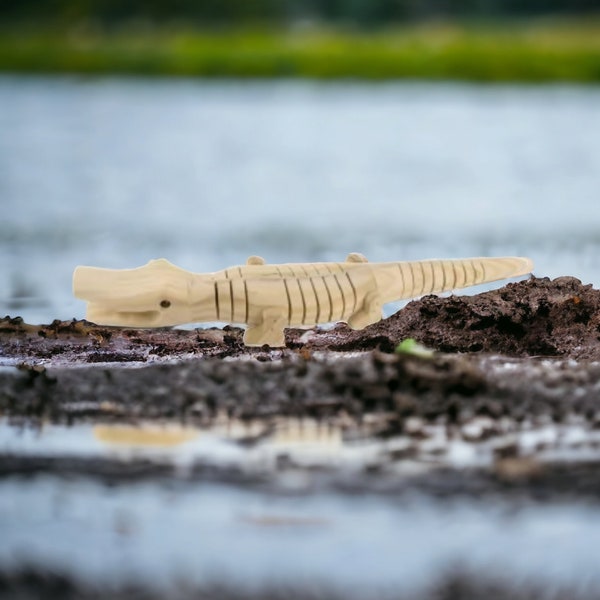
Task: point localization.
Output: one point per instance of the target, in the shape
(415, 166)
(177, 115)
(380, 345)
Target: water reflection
(147, 435)
(160, 530)
(272, 447)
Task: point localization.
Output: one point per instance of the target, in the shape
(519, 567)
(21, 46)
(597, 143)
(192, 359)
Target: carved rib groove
(464, 268)
(353, 291)
(289, 300)
(422, 278)
(303, 303)
(432, 277)
(231, 300)
(329, 296)
(475, 277)
(401, 277)
(312, 283)
(342, 294)
(443, 268)
(217, 301)
(454, 275)
(412, 279)
(246, 299)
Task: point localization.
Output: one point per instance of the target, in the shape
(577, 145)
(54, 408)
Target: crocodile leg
(356, 257)
(370, 311)
(268, 331)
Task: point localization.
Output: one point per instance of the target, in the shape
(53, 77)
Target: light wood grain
(269, 297)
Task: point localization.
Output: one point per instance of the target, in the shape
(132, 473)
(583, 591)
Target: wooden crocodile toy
(268, 298)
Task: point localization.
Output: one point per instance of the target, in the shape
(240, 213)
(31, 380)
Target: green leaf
(412, 347)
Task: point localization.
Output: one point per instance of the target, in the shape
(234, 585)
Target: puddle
(198, 533)
(252, 447)
(162, 531)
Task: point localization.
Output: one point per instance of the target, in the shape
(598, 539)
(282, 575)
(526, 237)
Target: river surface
(114, 172)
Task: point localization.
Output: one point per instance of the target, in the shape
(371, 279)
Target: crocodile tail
(418, 278)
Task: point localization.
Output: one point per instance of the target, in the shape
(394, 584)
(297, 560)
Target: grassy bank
(531, 52)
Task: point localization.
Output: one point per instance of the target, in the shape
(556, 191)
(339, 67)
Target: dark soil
(537, 317)
(449, 387)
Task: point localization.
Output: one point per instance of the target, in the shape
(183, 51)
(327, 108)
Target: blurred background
(206, 131)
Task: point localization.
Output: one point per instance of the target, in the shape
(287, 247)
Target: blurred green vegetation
(478, 40)
(531, 51)
(233, 13)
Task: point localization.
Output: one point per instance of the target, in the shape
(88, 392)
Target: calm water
(113, 172)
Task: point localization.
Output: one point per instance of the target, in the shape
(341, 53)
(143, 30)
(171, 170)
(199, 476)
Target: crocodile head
(155, 295)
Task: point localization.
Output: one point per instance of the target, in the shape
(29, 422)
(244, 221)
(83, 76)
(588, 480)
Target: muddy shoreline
(529, 350)
(536, 317)
(524, 361)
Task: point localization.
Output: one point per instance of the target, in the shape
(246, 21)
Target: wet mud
(389, 388)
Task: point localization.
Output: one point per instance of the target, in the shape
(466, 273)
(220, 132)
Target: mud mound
(537, 317)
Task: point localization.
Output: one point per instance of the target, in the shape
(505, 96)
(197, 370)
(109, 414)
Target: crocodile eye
(165, 304)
